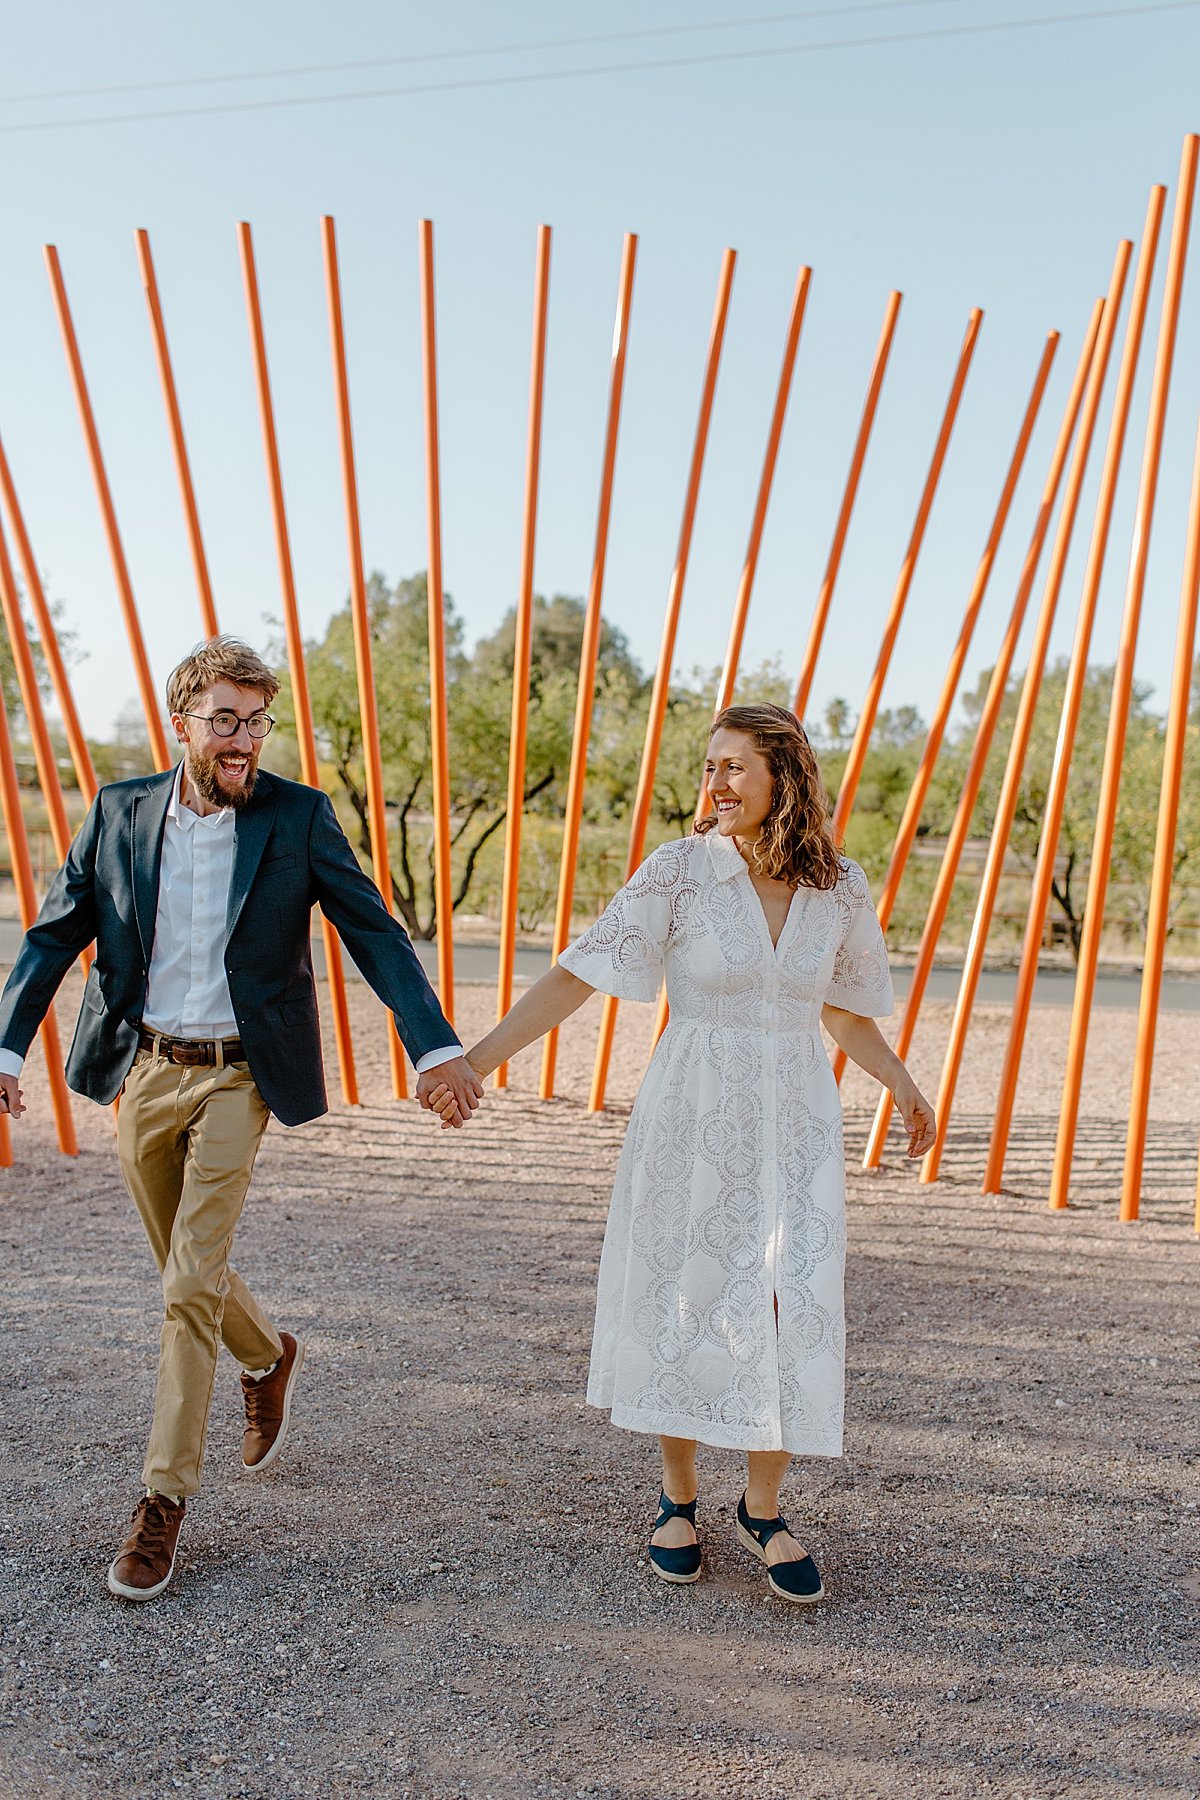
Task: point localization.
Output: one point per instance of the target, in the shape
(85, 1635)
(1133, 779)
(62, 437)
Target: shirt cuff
(430, 1060)
(11, 1063)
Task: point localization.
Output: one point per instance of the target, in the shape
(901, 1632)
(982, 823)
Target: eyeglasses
(225, 724)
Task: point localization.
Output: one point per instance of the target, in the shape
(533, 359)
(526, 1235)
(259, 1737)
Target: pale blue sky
(991, 169)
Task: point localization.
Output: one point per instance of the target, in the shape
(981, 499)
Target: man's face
(221, 768)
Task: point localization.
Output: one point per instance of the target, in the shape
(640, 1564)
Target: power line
(426, 56)
(676, 62)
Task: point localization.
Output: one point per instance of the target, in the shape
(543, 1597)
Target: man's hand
(452, 1090)
(11, 1098)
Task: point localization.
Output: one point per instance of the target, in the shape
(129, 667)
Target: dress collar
(724, 855)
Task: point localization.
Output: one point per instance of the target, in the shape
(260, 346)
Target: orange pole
(305, 735)
(852, 773)
(166, 376)
(741, 609)
(133, 629)
(591, 646)
(522, 649)
(368, 714)
(438, 722)
(81, 756)
(829, 581)
(1114, 747)
(661, 693)
(1056, 798)
(31, 700)
(1089, 380)
(906, 835)
(22, 868)
(1164, 857)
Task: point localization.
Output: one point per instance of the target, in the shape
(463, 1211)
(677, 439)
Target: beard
(204, 773)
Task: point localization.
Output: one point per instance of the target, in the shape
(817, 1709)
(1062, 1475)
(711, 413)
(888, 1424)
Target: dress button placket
(770, 1168)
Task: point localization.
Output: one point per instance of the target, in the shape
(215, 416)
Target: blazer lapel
(146, 838)
(251, 829)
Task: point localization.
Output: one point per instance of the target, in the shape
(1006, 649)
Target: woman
(719, 1310)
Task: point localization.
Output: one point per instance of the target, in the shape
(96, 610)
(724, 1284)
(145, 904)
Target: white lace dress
(730, 1189)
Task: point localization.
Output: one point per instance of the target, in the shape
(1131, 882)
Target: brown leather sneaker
(146, 1559)
(269, 1406)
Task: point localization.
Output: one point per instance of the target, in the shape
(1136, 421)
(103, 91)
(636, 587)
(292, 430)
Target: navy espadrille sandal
(681, 1563)
(798, 1580)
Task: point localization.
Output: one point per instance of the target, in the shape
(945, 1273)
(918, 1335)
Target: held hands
(452, 1090)
(917, 1114)
(12, 1100)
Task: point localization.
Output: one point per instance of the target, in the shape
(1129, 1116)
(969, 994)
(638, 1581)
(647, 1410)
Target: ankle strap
(763, 1529)
(670, 1509)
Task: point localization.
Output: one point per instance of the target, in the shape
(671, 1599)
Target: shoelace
(256, 1408)
(153, 1518)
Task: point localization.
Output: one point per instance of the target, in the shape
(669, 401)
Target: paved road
(1055, 987)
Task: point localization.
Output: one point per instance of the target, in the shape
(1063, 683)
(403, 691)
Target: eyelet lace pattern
(730, 1190)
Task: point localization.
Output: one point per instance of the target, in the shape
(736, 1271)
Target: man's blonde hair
(221, 658)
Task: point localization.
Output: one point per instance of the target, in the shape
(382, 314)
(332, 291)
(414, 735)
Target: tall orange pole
(741, 607)
(523, 646)
(166, 375)
(31, 699)
(906, 835)
(1162, 868)
(1056, 797)
(439, 730)
(829, 581)
(305, 735)
(1114, 747)
(81, 756)
(852, 773)
(1089, 379)
(661, 693)
(22, 868)
(368, 713)
(590, 649)
(141, 662)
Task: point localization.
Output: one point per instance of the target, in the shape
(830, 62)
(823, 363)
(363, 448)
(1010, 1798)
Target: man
(200, 1012)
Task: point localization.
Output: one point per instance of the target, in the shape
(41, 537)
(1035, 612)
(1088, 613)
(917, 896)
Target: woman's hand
(917, 1114)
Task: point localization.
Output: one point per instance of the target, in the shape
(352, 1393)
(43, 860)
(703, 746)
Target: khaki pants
(187, 1139)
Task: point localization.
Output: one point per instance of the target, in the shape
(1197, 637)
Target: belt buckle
(189, 1056)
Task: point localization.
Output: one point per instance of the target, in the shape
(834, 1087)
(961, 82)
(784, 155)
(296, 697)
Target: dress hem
(705, 1432)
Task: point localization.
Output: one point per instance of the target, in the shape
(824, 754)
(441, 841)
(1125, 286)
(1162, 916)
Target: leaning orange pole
(852, 773)
(439, 730)
(108, 513)
(523, 646)
(590, 648)
(1056, 797)
(305, 735)
(1114, 746)
(1164, 857)
(661, 693)
(81, 756)
(31, 699)
(22, 869)
(741, 607)
(368, 713)
(906, 835)
(820, 618)
(166, 376)
(1089, 379)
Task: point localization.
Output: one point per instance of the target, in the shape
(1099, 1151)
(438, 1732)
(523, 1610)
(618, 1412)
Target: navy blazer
(290, 853)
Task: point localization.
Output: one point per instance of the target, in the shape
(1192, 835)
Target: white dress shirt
(187, 990)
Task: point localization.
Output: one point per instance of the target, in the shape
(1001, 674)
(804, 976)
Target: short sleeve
(862, 980)
(623, 952)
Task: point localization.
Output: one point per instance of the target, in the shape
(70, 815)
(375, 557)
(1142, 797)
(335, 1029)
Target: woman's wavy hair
(796, 843)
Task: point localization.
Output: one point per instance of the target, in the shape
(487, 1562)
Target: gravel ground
(441, 1589)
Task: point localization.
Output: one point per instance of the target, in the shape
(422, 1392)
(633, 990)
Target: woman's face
(738, 778)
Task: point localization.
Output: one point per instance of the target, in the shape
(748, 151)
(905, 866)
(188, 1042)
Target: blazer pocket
(278, 863)
(92, 997)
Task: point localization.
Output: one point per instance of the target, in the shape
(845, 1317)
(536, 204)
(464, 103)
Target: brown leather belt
(192, 1053)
